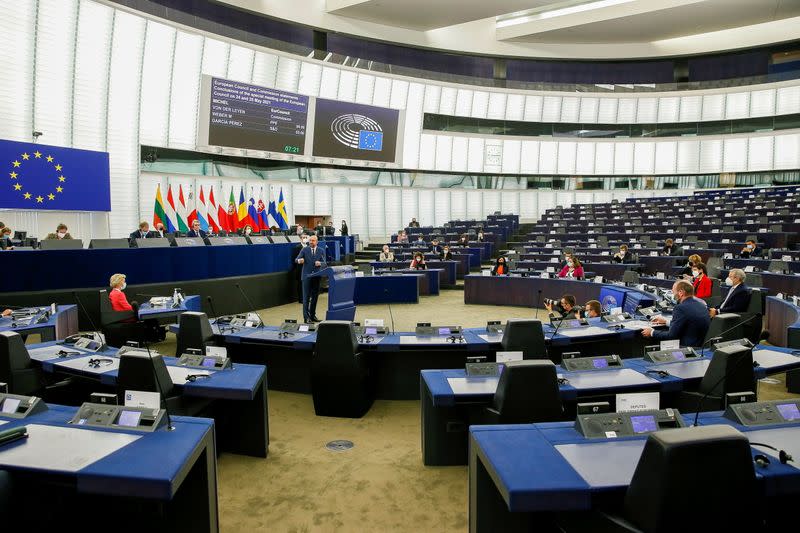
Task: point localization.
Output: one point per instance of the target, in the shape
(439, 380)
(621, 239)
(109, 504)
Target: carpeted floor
(380, 484)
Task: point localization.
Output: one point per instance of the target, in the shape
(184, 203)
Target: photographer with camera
(565, 307)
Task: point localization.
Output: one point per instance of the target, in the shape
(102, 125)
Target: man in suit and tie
(690, 320)
(143, 232)
(738, 298)
(160, 232)
(196, 231)
(312, 258)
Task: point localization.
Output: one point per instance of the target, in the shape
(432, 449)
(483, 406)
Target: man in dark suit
(690, 320)
(750, 249)
(435, 247)
(143, 232)
(159, 232)
(413, 223)
(312, 258)
(329, 229)
(738, 298)
(670, 248)
(196, 231)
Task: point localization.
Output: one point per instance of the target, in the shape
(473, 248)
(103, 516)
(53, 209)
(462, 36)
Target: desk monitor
(129, 418)
(62, 244)
(765, 413)
(627, 424)
(611, 298)
(10, 405)
(17, 406)
(108, 243)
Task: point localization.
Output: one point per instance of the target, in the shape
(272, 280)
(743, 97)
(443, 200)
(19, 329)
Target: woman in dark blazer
(500, 267)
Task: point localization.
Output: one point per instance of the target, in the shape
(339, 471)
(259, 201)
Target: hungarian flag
(200, 213)
(213, 215)
(170, 207)
(159, 213)
(181, 211)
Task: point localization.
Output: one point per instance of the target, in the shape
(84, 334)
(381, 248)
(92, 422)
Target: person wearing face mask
(247, 230)
(592, 309)
(690, 318)
(670, 249)
(750, 250)
(446, 255)
(687, 269)
(436, 248)
(738, 298)
(386, 255)
(572, 269)
(159, 232)
(61, 233)
(480, 236)
(623, 256)
(5, 238)
(701, 281)
(418, 263)
(463, 240)
(500, 267)
(119, 302)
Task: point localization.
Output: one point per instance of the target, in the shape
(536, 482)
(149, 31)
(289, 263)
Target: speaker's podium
(341, 291)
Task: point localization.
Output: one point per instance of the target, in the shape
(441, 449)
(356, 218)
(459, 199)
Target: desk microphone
(252, 307)
(82, 308)
(389, 305)
(214, 311)
(538, 301)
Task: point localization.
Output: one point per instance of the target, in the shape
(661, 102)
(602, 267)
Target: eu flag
(370, 140)
(37, 176)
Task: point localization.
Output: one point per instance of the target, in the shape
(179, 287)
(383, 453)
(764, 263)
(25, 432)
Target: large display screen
(355, 131)
(611, 298)
(248, 116)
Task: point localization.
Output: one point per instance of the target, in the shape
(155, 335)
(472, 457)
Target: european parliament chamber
(416, 266)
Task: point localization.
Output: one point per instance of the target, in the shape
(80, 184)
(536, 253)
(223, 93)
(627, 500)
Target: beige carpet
(380, 484)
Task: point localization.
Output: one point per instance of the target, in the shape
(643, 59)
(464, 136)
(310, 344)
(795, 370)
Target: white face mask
(729, 282)
(695, 273)
(750, 246)
(124, 286)
(62, 234)
(247, 231)
(570, 263)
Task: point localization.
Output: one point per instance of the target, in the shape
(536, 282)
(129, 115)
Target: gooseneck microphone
(389, 305)
(214, 311)
(538, 301)
(252, 307)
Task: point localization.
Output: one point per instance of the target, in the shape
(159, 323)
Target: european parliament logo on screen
(355, 131)
(37, 176)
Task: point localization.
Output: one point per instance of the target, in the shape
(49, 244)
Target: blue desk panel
(387, 289)
(147, 310)
(63, 324)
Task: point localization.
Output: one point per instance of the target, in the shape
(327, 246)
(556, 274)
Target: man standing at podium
(312, 257)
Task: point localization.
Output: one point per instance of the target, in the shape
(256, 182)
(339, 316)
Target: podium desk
(341, 291)
(58, 326)
(90, 478)
(166, 313)
(238, 395)
(429, 279)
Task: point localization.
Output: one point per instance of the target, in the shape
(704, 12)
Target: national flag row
(215, 215)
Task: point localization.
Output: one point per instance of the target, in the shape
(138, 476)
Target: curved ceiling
(574, 29)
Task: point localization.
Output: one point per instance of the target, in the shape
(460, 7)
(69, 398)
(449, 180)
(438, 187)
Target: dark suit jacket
(437, 249)
(199, 233)
(413, 224)
(671, 250)
(309, 258)
(343, 229)
(756, 252)
(628, 258)
(689, 324)
(737, 300)
(447, 257)
(330, 230)
(148, 235)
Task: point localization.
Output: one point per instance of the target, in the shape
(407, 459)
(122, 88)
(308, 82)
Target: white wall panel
(447, 101)
(528, 205)
(529, 157)
(788, 100)
(762, 103)
(475, 155)
(570, 109)
(759, 153)
(668, 109)
(427, 151)
(410, 205)
(604, 158)
(159, 51)
(492, 156)
(265, 69)
(691, 107)
(644, 157)
(347, 86)
(548, 157)
(474, 205)
(509, 202)
(737, 105)
(340, 207)
(441, 208)
(710, 155)
(329, 83)
(787, 151)
(464, 103)
(623, 158)
(566, 157)
(55, 46)
(626, 110)
(215, 57)
(713, 107)
(310, 79)
(323, 203)
(546, 200)
(376, 209)
(358, 222)
(90, 92)
(393, 202)
(425, 215)
(511, 156)
(432, 95)
(185, 87)
(459, 158)
(515, 107)
(18, 26)
(302, 199)
(240, 64)
(607, 110)
(444, 152)
(365, 88)
(584, 157)
(589, 108)
(666, 157)
(551, 109)
(735, 155)
(414, 101)
(688, 157)
(382, 92)
(497, 106)
(491, 202)
(288, 76)
(400, 94)
(458, 204)
(647, 110)
(533, 108)
(480, 104)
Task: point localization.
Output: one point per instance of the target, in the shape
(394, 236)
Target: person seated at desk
(690, 320)
(701, 281)
(246, 231)
(329, 229)
(5, 238)
(436, 247)
(738, 298)
(344, 231)
(418, 263)
(143, 232)
(750, 249)
(386, 255)
(119, 302)
(420, 240)
(463, 240)
(564, 308)
(687, 269)
(670, 249)
(500, 267)
(196, 231)
(592, 309)
(61, 233)
(413, 223)
(572, 269)
(480, 236)
(446, 255)
(402, 237)
(319, 229)
(298, 230)
(623, 256)
(159, 232)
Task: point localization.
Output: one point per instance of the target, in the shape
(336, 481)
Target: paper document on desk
(491, 338)
(473, 385)
(584, 332)
(771, 358)
(62, 449)
(178, 374)
(636, 324)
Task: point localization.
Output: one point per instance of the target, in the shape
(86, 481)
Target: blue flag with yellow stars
(37, 176)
